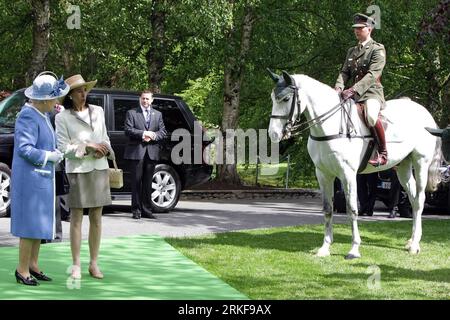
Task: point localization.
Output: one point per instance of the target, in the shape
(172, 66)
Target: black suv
(176, 115)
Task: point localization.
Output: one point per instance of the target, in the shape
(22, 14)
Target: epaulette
(377, 44)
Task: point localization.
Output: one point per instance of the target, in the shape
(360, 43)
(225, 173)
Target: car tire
(166, 189)
(5, 190)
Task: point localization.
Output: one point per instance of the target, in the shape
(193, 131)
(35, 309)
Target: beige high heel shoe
(95, 272)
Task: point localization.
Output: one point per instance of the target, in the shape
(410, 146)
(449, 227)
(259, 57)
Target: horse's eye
(286, 98)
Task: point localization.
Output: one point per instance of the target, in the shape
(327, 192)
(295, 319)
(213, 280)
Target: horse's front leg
(350, 188)
(326, 184)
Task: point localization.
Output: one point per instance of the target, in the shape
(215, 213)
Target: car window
(172, 116)
(120, 107)
(10, 108)
(98, 100)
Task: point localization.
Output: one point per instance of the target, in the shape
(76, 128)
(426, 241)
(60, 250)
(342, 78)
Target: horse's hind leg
(421, 174)
(350, 189)
(327, 187)
(407, 181)
(416, 192)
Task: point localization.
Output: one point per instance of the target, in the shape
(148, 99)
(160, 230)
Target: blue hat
(46, 86)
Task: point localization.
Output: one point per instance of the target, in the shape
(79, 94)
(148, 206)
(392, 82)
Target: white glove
(55, 156)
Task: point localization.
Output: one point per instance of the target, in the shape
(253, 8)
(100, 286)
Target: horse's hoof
(408, 244)
(323, 253)
(414, 250)
(351, 256)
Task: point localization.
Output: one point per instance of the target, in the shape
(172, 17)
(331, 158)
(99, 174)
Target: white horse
(338, 141)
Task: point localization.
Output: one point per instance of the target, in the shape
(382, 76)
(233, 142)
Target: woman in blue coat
(33, 175)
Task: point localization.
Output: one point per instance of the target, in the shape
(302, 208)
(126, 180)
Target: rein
(297, 129)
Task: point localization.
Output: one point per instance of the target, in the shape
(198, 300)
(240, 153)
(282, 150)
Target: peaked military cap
(362, 20)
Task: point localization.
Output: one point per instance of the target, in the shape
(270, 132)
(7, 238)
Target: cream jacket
(73, 134)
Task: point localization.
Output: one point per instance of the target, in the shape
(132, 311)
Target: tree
(433, 41)
(41, 38)
(237, 42)
(156, 54)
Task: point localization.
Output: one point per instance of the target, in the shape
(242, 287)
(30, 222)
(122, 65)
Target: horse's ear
(288, 78)
(435, 132)
(274, 76)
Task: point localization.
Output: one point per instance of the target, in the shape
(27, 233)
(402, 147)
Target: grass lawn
(279, 263)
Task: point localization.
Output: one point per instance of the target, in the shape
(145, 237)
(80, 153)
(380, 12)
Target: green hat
(361, 20)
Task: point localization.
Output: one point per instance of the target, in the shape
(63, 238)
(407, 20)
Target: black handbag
(61, 181)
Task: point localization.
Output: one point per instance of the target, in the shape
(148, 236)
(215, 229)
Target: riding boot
(378, 132)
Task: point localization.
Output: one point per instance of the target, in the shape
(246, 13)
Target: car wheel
(166, 189)
(5, 190)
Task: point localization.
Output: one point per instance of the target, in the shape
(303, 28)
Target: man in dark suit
(145, 128)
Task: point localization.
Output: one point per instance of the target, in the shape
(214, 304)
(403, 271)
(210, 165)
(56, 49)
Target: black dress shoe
(149, 216)
(147, 213)
(136, 215)
(29, 281)
(40, 276)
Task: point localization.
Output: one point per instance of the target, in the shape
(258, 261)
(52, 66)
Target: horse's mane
(304, 81)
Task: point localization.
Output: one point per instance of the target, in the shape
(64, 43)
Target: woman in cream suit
(82, 137)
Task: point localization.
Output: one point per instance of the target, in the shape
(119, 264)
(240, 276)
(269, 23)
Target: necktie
(147, 117)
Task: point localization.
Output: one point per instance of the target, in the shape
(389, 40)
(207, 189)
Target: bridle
(291, 122)
(293, 127)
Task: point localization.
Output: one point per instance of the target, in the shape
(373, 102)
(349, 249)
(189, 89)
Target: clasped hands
(148, 135)
(100, 149)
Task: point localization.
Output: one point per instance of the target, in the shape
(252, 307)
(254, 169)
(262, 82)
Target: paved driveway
(209, 216)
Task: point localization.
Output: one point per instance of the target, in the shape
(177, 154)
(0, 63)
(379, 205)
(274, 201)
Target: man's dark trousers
(141, 174)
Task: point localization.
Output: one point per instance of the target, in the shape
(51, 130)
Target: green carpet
(137, 267)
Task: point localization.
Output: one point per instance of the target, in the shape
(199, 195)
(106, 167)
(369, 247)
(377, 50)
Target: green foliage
(201, 96)
(308, 37)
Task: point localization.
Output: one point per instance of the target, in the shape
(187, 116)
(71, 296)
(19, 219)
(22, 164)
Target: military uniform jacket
(363, 69)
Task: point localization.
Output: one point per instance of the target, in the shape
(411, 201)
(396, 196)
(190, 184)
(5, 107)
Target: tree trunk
(41, 38)
(156, 53)
(235, 59)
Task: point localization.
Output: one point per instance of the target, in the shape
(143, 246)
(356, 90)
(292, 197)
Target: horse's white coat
(409, 147)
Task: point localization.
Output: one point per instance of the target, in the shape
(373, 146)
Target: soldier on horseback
(362, 68)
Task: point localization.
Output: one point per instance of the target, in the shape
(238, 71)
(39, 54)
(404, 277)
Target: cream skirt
(89, 190)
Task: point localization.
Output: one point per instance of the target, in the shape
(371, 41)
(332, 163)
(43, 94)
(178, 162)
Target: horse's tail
(434, 176)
